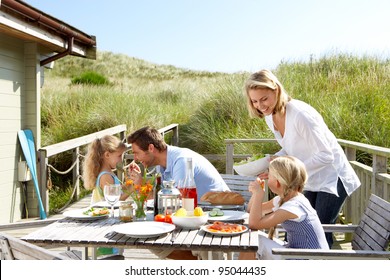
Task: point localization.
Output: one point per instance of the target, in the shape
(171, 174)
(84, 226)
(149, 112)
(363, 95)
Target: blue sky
(229, 35)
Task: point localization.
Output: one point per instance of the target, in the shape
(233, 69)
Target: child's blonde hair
(291, 173)
(94, 158)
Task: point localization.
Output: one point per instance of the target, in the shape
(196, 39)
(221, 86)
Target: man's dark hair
(145, 136)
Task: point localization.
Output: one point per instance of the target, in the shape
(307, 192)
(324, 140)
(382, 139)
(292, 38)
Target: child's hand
(257, 187)
(133, 167)
(135, 173)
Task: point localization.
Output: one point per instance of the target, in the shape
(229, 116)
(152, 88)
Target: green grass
(351, 93)
(90, 78)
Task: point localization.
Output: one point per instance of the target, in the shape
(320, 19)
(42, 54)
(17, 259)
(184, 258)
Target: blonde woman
(290, 208)
(301, 132)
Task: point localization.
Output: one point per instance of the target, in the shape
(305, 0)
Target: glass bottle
(126, 211)
(188, 192)
(157, 201)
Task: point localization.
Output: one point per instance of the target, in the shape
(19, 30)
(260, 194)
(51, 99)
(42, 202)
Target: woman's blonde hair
(265, 79)
(95, 156)
(291, 173)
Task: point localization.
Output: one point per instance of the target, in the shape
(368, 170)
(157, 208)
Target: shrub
(91, 78)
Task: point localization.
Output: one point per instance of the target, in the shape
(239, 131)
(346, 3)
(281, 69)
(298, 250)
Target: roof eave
(23, 21)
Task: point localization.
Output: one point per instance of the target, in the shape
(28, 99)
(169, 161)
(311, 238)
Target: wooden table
(99, 233)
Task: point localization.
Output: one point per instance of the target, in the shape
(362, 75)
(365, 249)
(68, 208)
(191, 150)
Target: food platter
(207, 229)
(252, 168)
(78, 214)
(144, 229)
(230, 216)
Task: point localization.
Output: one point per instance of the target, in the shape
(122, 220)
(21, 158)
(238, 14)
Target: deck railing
(374, 179)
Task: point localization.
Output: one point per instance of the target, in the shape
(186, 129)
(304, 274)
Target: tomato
(168, 218)
(159, 218)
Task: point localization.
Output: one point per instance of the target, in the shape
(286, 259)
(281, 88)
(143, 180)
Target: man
(150, 149)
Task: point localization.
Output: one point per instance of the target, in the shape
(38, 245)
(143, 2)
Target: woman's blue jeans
(328, 206)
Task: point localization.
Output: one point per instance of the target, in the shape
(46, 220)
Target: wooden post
(350, 202)
(378, 166)
(175, 136)
(229, 158)
(122, 135)
(42, 178)
(76, 171)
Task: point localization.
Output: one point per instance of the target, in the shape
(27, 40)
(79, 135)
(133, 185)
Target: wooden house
(30, 40)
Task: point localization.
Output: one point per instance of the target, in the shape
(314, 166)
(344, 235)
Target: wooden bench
(238, 183)
(12, 248)
(370, 238)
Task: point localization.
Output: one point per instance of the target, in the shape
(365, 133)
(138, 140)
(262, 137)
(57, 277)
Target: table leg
(229, 255)
(94, 253)
(84, 253)
(209, 255)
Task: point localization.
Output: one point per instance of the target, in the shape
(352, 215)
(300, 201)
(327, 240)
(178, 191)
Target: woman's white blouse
(309, 139)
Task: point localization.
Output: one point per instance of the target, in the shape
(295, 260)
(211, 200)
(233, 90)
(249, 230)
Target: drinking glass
(112, 193)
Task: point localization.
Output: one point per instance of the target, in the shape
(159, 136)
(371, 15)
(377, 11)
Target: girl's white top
(309, 139)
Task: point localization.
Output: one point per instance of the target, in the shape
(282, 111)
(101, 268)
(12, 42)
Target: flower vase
(140, 210)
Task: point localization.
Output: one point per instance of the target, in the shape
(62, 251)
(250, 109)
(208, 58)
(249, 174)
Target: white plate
(103, 203)
(252, 168)
(144, 229)
(229, 215)
(223, 233)
(79, 215)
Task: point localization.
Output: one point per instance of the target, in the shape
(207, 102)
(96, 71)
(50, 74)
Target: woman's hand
(263, 176)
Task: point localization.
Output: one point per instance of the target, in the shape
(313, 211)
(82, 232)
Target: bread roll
(223, 198)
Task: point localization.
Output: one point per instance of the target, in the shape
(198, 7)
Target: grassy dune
(351, 93)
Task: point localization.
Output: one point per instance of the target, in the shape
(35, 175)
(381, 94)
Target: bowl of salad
(252, 166)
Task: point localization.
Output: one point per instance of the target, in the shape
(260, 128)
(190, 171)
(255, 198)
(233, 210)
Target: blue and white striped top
(305, 231)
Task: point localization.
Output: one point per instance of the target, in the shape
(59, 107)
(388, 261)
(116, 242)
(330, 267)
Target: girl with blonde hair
(290, 208)
(101, 159)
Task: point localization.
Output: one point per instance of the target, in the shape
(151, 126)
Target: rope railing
(51, 167)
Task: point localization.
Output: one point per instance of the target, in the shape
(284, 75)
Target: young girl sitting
(290, 208)
(102, 157)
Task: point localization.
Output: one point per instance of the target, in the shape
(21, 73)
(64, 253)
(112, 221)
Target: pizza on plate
(222, 227)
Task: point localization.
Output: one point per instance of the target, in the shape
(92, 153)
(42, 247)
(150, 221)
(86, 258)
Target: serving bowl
(190, 221)
(252, 168)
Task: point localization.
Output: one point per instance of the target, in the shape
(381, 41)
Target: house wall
(32, 112)
(19, 109)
